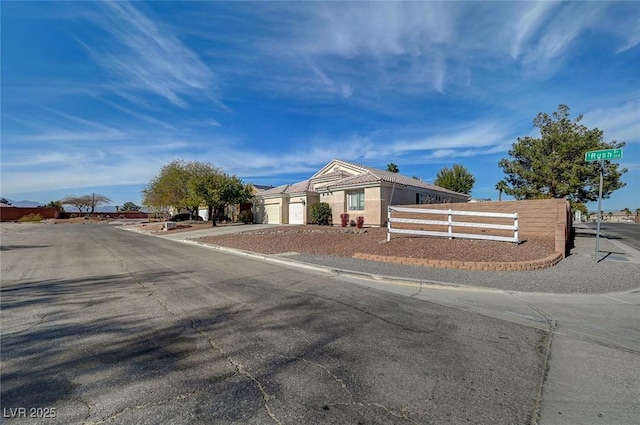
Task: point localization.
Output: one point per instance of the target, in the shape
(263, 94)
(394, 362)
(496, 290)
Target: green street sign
(603, 154)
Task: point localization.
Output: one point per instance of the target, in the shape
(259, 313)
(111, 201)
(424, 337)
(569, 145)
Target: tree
(90, 202)
(55, 204)
(458, 179)
(627, 211)
(501, 186)
(393, 167)
(553, 166)
(5, 201)
(96, 200)
(219, 190)
(187, 185)
(80, 202)
(129, 206)
(578, 206)
(170, 188)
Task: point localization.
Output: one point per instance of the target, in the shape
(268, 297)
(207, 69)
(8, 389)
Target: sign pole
(599, 211)
(601, 155)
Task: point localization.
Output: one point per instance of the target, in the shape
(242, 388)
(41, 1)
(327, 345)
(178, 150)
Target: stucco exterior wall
(337, 202)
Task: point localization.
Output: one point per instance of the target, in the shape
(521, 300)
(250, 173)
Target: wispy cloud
(59, 126)
(547, 52)
(531, 19)
(474, 135)
(147, 56)
(620, 122)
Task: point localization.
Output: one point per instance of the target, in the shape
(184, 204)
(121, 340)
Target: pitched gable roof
(286, 189)
(372, 175)
(340, 174)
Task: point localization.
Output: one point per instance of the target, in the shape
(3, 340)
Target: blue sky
(97, 97)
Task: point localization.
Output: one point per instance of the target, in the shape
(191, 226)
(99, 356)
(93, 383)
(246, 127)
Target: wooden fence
(414, 226)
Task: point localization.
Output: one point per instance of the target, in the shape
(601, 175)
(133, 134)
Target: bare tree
(97, 200)
(88, 202)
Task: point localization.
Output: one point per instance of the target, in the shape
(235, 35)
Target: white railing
(451, 224)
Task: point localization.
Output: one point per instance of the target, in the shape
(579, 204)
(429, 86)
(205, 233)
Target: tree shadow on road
(112, 349)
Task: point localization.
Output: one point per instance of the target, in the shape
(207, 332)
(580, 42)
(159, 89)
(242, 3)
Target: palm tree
(501, 186)
(392, 167)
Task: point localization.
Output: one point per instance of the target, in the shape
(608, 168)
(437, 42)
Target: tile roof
(374, 175)
(367, 175)
(303, 186)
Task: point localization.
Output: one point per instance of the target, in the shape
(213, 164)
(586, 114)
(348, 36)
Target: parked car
(181, 217)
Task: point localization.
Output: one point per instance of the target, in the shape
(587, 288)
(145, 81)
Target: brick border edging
(514, 266)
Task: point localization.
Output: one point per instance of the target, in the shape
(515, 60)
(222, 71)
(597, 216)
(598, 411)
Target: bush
(321, 213)
(360, 222)
(246, 216)
(344, 218)
(30, 218)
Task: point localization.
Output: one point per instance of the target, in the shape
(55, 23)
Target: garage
(272, 214)
(296, 213)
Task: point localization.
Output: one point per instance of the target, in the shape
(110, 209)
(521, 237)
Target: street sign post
(601, 155)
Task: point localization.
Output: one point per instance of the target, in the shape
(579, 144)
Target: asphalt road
(629, 233)
(107, 326)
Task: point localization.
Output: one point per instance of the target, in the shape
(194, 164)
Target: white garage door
(272, 213)
(296, 215)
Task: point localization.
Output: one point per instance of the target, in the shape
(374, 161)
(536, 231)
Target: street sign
(603, 154)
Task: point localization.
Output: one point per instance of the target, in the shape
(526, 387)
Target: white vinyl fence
(451, 224)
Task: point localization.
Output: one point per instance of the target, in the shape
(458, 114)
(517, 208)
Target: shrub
(321, 213)
(30, 218)
(344, 219)
(360, 222)
(246, 216)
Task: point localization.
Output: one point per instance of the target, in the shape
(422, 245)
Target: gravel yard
(348, 241)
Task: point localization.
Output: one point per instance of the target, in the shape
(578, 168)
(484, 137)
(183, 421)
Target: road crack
(240, 370)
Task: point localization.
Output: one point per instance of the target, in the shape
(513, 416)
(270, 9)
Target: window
(356, 200)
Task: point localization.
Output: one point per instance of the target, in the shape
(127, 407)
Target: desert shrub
(246, 216)
(360, 222)
(30, 217)
(344, 219)
(321, 213)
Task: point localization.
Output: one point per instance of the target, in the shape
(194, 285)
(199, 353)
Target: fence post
(515, 224)
(388, 223)
(449, 229)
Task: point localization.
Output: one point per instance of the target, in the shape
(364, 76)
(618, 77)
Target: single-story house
(350, 188)
(232, 211)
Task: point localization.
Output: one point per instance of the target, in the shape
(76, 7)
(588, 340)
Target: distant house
(355, 189)
(233, 211)
(618, 217)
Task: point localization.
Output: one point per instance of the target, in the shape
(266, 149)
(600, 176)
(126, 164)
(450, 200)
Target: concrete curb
(543, 263)
(419, 283)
